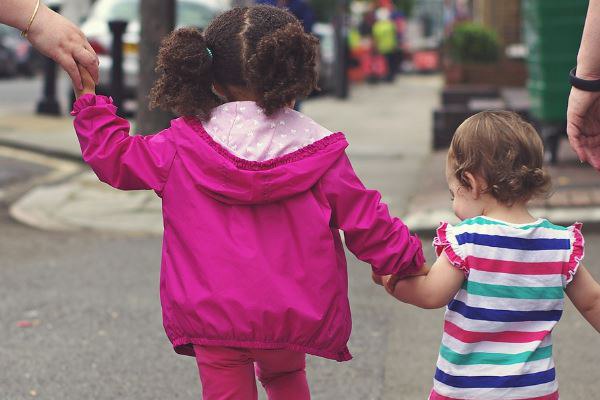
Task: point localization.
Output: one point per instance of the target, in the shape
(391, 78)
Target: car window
(193, 14)
(127, 10)
(188, 13)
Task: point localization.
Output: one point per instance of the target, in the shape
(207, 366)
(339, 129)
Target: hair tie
(210, 53)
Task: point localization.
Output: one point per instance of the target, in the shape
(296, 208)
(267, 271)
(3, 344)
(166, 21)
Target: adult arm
(583, 114)
(588, 59)
(52, 35)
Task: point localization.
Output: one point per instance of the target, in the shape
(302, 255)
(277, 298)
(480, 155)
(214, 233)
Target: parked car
(23, 59)
(189, 13)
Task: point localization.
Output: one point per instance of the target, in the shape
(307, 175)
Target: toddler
(501, 272)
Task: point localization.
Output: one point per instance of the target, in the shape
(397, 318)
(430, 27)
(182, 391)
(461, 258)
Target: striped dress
(497, 341)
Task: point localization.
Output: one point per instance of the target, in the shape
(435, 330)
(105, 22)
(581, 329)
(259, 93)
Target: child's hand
(424, 270)
(89, 86)
(378, 279)
(389, 282)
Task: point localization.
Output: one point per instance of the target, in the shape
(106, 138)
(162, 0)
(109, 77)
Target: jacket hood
(233, 180)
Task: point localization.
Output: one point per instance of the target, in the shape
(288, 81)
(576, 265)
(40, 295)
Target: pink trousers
(228, 373)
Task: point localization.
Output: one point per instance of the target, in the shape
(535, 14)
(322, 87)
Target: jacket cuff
(90, 100)
(419, 258)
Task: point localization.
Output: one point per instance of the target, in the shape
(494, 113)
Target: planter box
(503, 73)
(462, 94)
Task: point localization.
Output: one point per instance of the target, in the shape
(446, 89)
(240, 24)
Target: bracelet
(583, 84)
(26, 31)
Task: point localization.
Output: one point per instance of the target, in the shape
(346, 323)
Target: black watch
(583, 84)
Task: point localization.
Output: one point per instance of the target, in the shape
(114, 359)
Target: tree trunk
(157, 21)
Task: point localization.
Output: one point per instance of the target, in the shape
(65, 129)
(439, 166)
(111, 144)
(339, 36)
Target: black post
(340, 24)
(49, 104)
(157, 18)
(116, 74)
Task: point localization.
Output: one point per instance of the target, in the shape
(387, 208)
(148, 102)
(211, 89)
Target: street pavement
(80, 311)
(575, 194)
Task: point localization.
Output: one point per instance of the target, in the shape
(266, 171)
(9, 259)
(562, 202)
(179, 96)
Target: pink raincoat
(252, 254)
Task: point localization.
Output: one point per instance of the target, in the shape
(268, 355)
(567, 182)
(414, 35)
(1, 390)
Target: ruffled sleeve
(445, 242)
(577, 253)
(91, 100)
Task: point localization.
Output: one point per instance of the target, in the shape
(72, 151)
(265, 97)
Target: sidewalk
(575, 194)
(388, 126)
(69, 202)
(52, 136)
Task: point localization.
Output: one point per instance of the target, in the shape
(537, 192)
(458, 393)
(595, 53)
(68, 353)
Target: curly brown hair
(503, 149)
(261, 48)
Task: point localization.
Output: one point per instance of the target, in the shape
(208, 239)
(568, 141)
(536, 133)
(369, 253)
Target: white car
(189, 13)
(326, 64)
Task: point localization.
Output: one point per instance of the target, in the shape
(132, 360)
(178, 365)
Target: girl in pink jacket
(254, 195)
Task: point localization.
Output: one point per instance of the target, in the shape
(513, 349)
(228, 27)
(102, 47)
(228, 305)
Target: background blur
(79, 309)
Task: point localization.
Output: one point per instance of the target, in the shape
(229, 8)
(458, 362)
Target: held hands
(389, 281)
(59, 39)
(89, 86)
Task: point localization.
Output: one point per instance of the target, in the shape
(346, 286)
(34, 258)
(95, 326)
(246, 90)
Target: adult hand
(59, 39)
(583, 125)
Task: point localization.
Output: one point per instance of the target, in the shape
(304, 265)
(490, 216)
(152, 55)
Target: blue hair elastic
(210, 53)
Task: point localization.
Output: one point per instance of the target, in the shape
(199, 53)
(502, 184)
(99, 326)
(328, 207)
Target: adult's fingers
(70, 66)
(578, 147)
(593, 157)
(89, 48)
(590, 142)
(88, 61)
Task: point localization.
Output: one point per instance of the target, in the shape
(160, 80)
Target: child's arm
(123, 161)
(433, 290)
(584, 292)
(370, 232)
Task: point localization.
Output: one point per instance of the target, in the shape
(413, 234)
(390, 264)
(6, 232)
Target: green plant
(473, 43)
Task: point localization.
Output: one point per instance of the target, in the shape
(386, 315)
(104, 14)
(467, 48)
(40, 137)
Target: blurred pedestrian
(254, 195)
(583, 114)
(386, 40)
(300, 8)
(52, 35)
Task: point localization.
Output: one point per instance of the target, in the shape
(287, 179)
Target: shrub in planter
(472, 43)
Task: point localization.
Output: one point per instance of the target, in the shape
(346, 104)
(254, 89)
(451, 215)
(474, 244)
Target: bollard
(117, 29)
(49, 104)
(340, 24)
